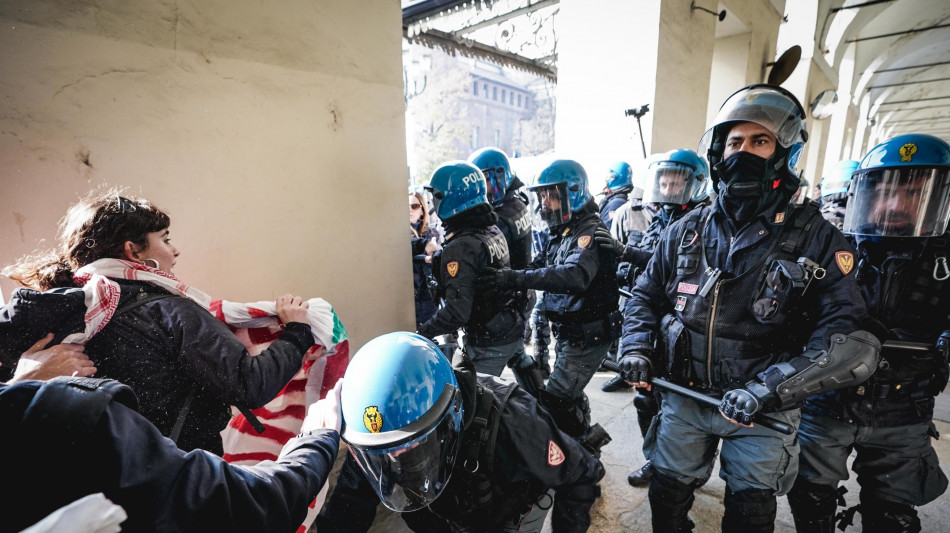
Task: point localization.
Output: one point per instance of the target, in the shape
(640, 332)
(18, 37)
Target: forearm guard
(850, 360)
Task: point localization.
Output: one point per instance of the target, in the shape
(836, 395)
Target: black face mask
(746, 187)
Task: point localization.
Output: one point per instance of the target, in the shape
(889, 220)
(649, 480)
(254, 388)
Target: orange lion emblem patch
(372, 419)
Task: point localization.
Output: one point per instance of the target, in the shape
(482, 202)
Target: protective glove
(501, 278)
(635, 367)
(741, 405)
(605, 241)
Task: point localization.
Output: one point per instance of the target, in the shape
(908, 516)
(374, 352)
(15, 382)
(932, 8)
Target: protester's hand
(292, 308)
(636, 369)
(605, 241)
(325, 413)
(432, 246)
(314, 353)
(739, 406)
(42, 363)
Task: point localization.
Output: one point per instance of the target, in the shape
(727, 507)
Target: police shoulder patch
(453, 268)
(845, 261)
(583, 241)
(555, 455)
(373, 419)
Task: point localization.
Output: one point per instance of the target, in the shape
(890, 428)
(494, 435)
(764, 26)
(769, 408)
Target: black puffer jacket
(167, 350)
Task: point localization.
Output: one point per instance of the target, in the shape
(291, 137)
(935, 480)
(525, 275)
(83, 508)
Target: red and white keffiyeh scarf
(256, 325)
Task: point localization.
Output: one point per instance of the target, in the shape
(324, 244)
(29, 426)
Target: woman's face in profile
(160, 249)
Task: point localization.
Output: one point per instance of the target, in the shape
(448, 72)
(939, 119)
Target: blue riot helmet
(775, 109)
(677, 177)
(619, 177)
(494, 165)
(402, 412)
(562, 190)
(840, 178)
(456, 186)
(901, 189)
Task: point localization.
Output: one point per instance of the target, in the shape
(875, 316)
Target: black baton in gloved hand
(764, 420)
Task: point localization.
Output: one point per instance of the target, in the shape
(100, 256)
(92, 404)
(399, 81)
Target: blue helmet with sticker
(677, 177)
(402, 412)
(775, 109)
(497, 170)
(619, 177)
(840, 178)
(901, 189)
(562, 190)
(456, 186)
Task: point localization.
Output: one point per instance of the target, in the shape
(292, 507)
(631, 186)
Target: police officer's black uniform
(610, 203)
(520, 454)
(514, 221)
(896, 465)
(488, 316)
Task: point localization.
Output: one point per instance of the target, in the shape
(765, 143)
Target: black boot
(670, 502)
(749, 511)
(614, 384)
(813, 506)
(571, 415)
(641, 477)
(879, 516)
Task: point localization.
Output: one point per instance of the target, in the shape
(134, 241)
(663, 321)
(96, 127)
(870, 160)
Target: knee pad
(749, 510)
(568, 413)
(670, 502)
(813, 506)
(811, 500)
(880, 516)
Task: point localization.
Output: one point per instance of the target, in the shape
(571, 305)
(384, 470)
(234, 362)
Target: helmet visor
(408, 476)
(669, 182)
(553, 203)
(764, 106)
(496, 182)
(899, 202)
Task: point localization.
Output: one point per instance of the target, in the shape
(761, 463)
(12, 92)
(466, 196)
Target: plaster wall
(764, 21)
(728, 74)
(268, 131)
(684, 63)
(607, 63)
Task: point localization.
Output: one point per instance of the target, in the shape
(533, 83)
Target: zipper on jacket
(709, 334)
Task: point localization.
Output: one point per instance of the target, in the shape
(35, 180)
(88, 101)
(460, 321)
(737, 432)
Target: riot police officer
(730, 299)
(616, 190)
(509, 202)
(580, 292)
(834, 192)
(491, 318)
(898, 211)
(457, 451)
(674, 183)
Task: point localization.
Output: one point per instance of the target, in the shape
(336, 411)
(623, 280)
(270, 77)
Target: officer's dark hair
(95, 228)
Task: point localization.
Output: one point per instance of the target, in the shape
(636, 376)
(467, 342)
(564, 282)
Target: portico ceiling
(901, 61)
(514, 33)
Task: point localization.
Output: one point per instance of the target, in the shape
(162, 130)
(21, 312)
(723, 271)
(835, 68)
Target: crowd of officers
(797, 341)
(756, 325)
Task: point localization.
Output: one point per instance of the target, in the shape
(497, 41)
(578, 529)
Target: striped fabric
(256, 325)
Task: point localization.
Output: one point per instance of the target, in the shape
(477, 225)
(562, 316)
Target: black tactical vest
(714, 342)
(514, 221)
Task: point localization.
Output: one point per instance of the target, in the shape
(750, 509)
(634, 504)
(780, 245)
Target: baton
(625, 293)
(758, 418)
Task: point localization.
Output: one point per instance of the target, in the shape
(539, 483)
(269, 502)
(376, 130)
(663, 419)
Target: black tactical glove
(741, 405)
(635, 367)
(501, 278)
(605, 241)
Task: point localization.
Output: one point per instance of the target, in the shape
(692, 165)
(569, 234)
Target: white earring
(156, 266)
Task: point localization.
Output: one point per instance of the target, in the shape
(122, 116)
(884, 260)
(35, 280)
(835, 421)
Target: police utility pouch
(779, 290)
